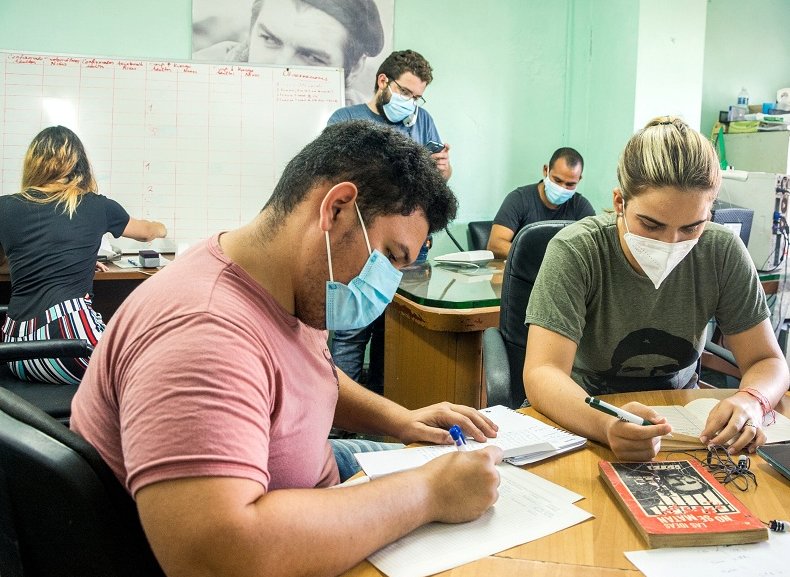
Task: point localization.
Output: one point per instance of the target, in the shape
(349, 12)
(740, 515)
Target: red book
(680, 504)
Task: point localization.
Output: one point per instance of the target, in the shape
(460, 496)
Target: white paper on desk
(765, 559)
(544, 488)
(127, 263)
(378, 463)
(134, 262)
(523, 439)
(521, 514)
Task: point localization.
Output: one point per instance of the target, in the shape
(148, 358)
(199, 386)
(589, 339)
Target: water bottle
(743, 98)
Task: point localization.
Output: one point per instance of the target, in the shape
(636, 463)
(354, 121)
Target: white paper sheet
(528, 508)
(134, 262)
(522, 438)
(766, 559)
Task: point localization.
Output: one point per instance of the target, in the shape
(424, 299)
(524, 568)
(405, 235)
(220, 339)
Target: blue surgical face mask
(399, 107)
(555, 193)
(361, 301)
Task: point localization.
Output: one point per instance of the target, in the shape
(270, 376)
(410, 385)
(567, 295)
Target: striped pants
(71, 319)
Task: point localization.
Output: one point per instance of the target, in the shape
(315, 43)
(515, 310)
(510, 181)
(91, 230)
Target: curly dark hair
(405, 61)
(393, 174)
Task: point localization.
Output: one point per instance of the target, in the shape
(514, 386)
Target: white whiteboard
(196, 146)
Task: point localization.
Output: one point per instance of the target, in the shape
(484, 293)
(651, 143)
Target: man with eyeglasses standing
(398, 102)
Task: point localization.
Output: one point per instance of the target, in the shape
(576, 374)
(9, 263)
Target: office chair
(478, 232)
(717, 367)
(55, 400)
(504, 347)
(62, 511)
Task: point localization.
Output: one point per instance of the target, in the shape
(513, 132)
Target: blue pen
(458, 437)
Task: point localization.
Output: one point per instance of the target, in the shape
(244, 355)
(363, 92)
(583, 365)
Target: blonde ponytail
(668, 153)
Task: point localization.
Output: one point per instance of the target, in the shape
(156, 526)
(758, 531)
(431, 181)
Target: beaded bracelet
(764, 404)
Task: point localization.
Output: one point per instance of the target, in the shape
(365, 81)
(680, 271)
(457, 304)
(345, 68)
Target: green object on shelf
(722, 153)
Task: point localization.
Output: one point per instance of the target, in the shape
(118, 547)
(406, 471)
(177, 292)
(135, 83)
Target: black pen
(616, 412)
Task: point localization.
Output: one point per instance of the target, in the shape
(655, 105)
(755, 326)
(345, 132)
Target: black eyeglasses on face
(418, 100)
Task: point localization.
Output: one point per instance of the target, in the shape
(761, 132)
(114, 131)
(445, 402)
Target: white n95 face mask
(656, 258)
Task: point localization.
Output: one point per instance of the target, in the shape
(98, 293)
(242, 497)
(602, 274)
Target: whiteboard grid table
(196, 146)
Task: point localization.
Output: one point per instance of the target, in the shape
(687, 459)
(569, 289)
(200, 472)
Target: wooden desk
(595, 547)
(433, 335)
(110, 288)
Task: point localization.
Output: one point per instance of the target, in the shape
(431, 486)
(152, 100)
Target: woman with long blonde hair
(50, 233)
(623, 300)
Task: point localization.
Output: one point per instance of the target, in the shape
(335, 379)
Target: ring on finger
(750, 423)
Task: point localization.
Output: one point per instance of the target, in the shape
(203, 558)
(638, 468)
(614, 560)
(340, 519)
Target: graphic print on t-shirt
(646, 359)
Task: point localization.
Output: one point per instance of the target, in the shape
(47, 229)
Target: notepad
(688, 421)
(523, 439)
(558, 440)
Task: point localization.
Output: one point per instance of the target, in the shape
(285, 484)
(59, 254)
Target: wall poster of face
(355, 35)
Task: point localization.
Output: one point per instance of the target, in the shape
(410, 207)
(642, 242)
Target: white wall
(670, 58)
(747, 44)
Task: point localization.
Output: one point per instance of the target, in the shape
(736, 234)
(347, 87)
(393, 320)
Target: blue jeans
(348, 352)
(345, 449)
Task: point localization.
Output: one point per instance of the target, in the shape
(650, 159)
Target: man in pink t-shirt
(212, 392)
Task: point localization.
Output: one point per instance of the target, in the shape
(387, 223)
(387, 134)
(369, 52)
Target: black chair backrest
(521, 269)
(55, 400)
(69, 514)
(478, 232)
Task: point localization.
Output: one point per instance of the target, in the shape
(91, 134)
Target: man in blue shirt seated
(398, 101)
(553, 198)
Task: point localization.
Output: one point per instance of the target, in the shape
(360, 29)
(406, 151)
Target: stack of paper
(522, 438)
(529, 507)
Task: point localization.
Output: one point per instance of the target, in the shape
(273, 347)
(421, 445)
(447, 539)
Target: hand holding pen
(458, 502)
(636, 433)
(621, 414)
(458, 438)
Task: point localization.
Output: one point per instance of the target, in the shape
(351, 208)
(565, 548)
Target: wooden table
(433, 335)
(595, 547)
(110, 288)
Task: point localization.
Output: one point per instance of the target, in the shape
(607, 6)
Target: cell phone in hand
(434, 146)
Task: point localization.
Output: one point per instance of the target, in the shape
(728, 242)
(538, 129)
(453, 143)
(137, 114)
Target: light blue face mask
(555, 193)
(399, 107)
(362, 301)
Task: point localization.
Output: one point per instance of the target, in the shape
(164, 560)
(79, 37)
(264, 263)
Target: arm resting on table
(500, 240)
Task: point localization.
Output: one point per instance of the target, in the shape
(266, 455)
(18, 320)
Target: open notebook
(688, 421)
(523, 439)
